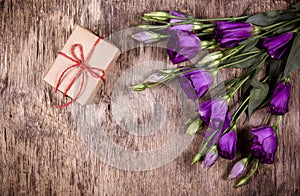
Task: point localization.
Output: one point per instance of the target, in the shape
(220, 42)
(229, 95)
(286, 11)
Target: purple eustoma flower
(182, 46)
(215, 114)
(229, 34)
(211, 157)
(182, 27)
(227, 145)
(264, 143)
(278, 45)
(280, 99)
(195, 83)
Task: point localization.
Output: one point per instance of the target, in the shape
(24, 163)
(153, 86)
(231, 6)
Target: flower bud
(194, 126)
(211, 57)
(242, 182)
(204, 44)
(280, 99)
(154, 78)
(197, 26)
(147, 27)
(277, 46)
(211, 157)
(227, 145)
(208, 30)
(138, 87)
(230, 34)
(159, 15)
(196, 158)
(148, 37)
(238, 168)
(256, 30)
(215, 63)
(168, 71)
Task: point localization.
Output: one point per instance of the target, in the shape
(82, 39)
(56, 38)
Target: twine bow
(81, 63)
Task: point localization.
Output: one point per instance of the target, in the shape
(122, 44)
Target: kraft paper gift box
(98, 57)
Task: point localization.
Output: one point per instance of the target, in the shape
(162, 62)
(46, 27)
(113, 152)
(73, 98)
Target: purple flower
(238, 168)
(264, 143)
(280, 99)
(195, 83)
(182, 46)
(211, 157)
(215, 114)
(278, 45)
(227, 145)
(183, 27)
(229, 34)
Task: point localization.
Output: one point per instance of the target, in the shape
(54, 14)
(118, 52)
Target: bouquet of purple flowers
(265, 45)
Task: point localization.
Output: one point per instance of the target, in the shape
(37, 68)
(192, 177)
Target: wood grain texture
(40, 150)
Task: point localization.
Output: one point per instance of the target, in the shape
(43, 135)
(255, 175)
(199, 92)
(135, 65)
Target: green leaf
(264, 19)
(285, 29)
(273, 13)
(258, 19)
(250, 43)
(276, 68)
(296, 6)
(293, 61)
(285, 16)
(258, 94)
(253, 71)
(246, 63)
(275, 73)
(268, 18)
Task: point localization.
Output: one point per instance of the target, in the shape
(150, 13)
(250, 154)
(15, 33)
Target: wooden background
(40, 150)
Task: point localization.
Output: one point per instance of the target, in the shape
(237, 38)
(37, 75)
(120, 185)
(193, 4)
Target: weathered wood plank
(40, 149)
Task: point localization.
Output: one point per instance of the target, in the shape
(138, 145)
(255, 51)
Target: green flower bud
(204, 44)
(168, 71)
(138, 87)
(213, 46)
(160, 18)
(194, 126)
(196, 158)
(256, 30)
(242, 182)
(209, 30)
(215, 63)
(159, 15)
(197, 25)
(212, 57)
(147, 27)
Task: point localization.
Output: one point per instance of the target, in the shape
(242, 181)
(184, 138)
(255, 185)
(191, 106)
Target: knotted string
(81, 63)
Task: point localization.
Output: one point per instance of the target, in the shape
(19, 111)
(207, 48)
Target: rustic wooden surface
(40, 150)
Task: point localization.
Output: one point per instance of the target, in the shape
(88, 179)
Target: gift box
(79, 69)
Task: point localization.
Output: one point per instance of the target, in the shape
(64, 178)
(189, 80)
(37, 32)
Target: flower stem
(286, 24)
(233, 51)
(239, 85)
(246, 53)
(214, 19)
(275, 127)
(238, 113)
(244, 180)
(267, 120)
(272, 26)
(202, 34)
(237, 62)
